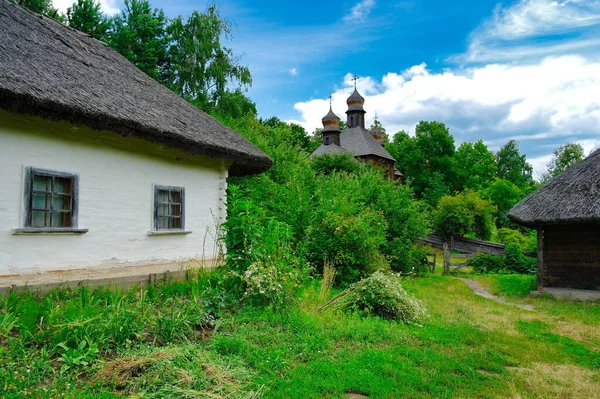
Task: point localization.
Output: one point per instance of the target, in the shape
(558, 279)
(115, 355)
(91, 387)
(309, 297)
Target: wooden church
(355, 139)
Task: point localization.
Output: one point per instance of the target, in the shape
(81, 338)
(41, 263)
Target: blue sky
(491, 70)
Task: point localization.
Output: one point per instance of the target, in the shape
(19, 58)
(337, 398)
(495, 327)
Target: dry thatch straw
(119, 371)
(58, 73)
(328, 279)
(571, 197)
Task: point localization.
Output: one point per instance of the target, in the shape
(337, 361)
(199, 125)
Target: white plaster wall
(116, 177)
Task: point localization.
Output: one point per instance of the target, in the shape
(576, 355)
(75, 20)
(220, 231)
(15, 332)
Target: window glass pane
(163, 210)
(61, 219)
(61, 202)
(163, 222)
(41, 201)
(176, 210)
(41, 183)
(62, 185)
(176, 197)
(175, 223)
(163, 196)
(40, 219)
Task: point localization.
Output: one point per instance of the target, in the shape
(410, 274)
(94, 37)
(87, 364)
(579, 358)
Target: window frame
(155, 225)
(28, 191)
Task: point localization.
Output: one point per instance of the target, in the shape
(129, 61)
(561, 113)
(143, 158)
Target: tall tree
(85, 16)
(201, 69)
(41, 7)
(139, 34)
(475, 166)
(565, 156)
(513, 166)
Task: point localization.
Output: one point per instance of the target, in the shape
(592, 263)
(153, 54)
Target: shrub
(484, 263)
(379, 295)
(513, 262)
(516, 262)
(509, 236)
(465, 213)
(260, 255)
(328, 163)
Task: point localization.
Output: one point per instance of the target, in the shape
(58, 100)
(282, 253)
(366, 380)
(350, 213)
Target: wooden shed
(566, 214)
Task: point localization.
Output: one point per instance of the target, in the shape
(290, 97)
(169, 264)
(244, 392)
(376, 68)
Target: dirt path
(479, 290)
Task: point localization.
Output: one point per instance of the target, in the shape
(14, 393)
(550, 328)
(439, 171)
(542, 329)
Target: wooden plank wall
(465, 245)
(572, 256)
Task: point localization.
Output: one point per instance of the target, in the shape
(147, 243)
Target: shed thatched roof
(49, 70)
(571, 197)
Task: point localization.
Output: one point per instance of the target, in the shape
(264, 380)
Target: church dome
(331, 122)
(355, 101)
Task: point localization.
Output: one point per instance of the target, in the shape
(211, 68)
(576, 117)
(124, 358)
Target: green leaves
(85, 16)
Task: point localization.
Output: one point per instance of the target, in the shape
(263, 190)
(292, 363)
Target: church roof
(52, 71)
(328, 149)
(331, 116)
(360, 142)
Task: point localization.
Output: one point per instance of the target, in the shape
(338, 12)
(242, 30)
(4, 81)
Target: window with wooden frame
(50, 199)
(169, 208)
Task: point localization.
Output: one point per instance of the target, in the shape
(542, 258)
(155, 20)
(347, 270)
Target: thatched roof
(49, 70)
(571, 197)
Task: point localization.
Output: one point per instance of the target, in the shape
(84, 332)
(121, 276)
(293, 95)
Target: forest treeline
(305, 212)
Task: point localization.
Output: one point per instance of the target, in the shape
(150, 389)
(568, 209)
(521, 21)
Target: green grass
(510, 285)
(469, 347)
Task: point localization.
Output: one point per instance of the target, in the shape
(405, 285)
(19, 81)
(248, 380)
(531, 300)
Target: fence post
(434, 262)
(446, 258)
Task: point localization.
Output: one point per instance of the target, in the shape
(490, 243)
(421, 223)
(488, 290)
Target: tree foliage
(201, 69)
(462, 214)
(139, 34)
(504, 195)
(85, 16)
(565, 156)
(513, 166)
(475, 166)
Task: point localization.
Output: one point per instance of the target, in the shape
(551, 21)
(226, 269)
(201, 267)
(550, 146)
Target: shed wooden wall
(572, 256)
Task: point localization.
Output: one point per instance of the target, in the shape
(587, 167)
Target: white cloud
(543, 105)
(360, 10)
(293, 71)
(529, 28)
(109, 7)
(529, 18)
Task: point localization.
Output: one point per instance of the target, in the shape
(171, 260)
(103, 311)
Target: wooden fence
(468, 248)
(465, 245)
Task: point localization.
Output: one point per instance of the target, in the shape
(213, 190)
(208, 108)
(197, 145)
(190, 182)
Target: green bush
(380, 295)
(329, 163)
(509, 236)
(462, 214)
(260, 255)
(513, 262)
(484, 263)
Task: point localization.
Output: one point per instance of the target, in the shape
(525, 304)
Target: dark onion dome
(377, 134)
(58, 73)
(355, 101)
(331, 122)
(570, 198)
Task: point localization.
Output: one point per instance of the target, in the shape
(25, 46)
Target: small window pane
(176, 197)
(163, 209)
(41, 201)
(163, 222)
(42, 183)
(175, 223)
(163, 196)
(62, 185)
(176, 210)
(61, 219)
(61, 202)
(40, 218)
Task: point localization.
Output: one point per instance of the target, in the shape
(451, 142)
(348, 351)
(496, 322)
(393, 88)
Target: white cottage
(101, 166)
